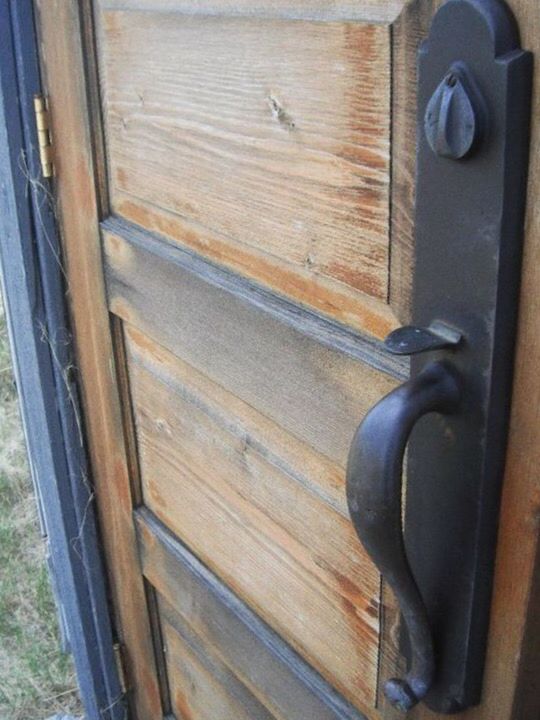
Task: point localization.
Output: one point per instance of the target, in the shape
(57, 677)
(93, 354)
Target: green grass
(36, 679)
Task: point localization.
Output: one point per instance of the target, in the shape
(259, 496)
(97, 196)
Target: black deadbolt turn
(454, 118)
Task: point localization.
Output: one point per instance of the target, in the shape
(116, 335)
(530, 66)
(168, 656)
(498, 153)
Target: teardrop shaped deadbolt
(452, 119)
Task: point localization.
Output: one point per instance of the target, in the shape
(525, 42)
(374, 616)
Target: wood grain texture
(316, 392)
(316, 326)
(198, 606)
(223, 123)
(360, 311)
(59, 25)
(367, 10)
(210, 408)
(215, 472)
(202, 686)
(409, 29)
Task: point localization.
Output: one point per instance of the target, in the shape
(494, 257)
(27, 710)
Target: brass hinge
(44, 136)
(120, 666)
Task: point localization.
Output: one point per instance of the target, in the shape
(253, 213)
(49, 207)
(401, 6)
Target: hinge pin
(120, 666)
(44, 137)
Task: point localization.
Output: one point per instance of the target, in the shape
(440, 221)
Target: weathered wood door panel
(235, 195)
(221, 138)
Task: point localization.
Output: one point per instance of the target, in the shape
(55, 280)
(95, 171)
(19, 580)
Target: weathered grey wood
(290, 689)
(284, 361)
(331, 334)
(35, 306)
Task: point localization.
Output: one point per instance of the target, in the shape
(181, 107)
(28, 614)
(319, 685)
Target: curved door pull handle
(374, 473)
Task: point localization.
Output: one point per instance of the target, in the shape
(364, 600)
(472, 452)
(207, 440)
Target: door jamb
(35, 301)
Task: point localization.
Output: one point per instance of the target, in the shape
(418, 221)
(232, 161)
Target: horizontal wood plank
(160, 380)
(212, 474)
(333, 299)
(367, 10)
(311, 388)
(198, 604)
(223, 124)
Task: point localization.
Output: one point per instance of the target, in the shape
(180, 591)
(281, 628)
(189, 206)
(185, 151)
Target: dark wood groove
(122, 377)
(157, 635)
(326, 332)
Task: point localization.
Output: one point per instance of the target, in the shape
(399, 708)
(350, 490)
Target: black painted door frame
(35, 300)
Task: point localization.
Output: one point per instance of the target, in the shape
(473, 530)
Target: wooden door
(235, 192)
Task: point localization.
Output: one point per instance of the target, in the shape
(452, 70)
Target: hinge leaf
(120, 666)
(44, 136)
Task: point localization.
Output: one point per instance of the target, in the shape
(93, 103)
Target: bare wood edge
(391, 662)
(514, 646)
(379, 11)
(97, 138)
(513, 653)
(60, 25)
(134, 473)
(407, 32)
(527, 696)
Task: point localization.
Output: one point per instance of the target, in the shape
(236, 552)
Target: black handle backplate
(469, 231)
(473, 136)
